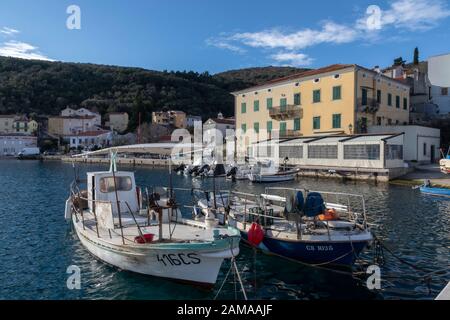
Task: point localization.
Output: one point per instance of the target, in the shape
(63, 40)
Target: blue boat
(299, 225)
(435, 191)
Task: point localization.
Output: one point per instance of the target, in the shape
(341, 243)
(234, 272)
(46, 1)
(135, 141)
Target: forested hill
(41, 87)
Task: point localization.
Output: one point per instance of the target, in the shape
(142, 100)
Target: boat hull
(325, 253)
(270, 178)
(177, 262)
(436, 191)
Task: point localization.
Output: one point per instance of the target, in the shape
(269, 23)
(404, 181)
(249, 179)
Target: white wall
(12, 145)
(414, 139)
(442, 101)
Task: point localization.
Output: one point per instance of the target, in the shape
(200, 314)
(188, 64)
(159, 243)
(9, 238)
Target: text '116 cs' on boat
(144, 231)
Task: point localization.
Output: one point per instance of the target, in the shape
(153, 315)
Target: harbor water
(37, 245)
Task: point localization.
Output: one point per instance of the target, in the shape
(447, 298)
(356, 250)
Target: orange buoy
(255, 234)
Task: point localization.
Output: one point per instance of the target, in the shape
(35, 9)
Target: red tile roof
(90, 133)
(223, 121)
(309, 73)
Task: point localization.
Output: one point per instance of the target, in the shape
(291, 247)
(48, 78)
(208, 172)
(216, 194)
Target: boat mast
(113, 168)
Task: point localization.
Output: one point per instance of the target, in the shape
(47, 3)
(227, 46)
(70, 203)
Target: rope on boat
(233, 266)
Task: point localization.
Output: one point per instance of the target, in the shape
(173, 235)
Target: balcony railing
(370, 105)
(286, 112)
(290, 134)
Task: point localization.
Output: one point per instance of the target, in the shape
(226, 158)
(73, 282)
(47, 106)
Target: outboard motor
(194, 170)
(232, 172)
(203, 170)
(219, 170)
(180, 168)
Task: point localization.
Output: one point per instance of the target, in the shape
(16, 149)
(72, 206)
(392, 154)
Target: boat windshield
(122, 183)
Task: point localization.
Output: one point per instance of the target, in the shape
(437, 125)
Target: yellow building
(341, 98)
(173, 118)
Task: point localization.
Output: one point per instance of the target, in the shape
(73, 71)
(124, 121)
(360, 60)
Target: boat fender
(255, 234)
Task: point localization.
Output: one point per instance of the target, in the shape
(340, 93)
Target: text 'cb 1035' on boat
(146, 232)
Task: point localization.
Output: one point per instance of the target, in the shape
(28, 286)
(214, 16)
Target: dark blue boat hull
(316, 253)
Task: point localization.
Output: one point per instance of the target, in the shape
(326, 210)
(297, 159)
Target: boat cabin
(101, 189)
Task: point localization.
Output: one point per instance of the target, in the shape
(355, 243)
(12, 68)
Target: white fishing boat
(280, 176)
(147, 234)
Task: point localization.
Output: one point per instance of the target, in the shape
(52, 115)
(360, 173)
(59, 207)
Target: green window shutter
(269, 126)
(389, 99)
(283, 104)
(243, 107)
(297, 124)
(256, 127)
(269, 103)
(337, 93)
(282, 127)
(297, 99)
(316, 123)
(397, 102)
(405, 103)
(378, 96)
(244, 128)
(336, 121)
(256, 105)
(316, 96)
(364, 97)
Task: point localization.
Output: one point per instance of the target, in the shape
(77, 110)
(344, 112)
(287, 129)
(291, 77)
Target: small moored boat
(145, 232)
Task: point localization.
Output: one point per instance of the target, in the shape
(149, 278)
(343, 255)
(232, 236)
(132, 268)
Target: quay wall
(125, 161)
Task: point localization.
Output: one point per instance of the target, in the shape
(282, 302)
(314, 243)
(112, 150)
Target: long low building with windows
(364, 156)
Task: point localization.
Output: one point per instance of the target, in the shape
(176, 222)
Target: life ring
(329, 214)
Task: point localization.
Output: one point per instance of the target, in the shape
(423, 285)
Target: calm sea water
(37, 245)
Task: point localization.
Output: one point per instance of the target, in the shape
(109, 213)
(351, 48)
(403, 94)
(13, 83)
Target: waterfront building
(358, 156)
(11, 144)
(65, 126)
(421, 144)
(337, 99)
(82, 112)
(427, 100)
(118, 121)
(90, 139)
(172, 118)
(190, 120)
(17, 124)
(220, 123)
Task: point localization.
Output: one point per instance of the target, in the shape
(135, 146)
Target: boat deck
(182, 231)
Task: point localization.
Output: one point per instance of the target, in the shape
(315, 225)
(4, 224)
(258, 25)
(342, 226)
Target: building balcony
(368, 106)
(286, 112)
(290, 134)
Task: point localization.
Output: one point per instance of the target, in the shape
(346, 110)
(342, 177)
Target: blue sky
(212, 35)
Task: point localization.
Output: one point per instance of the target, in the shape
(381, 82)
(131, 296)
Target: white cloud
(410, 15)
(223, 44)
(9, 31)
(330, 33)
(292, 59)
(22, 50)
(401, 14)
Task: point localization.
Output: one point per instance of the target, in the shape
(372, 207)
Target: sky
(215, 36)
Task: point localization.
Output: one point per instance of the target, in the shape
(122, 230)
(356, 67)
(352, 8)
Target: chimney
(377, 69)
